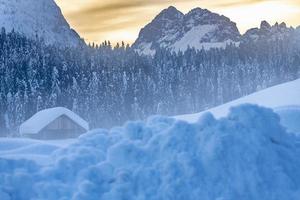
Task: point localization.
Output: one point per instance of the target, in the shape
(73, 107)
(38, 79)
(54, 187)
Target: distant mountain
(42, 18)
(199, 28)
(268, 32)
(203, 29)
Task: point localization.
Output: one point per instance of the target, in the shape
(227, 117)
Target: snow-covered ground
(38, 151)
(246, 154)
(282, 98)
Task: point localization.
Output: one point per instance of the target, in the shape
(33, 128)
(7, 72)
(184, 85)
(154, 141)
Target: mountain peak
(268, 32)
(264, 25)
(172, 9)
(170, 13)
(199, 28)
(282, 25)
(198, 10)
(42, 18)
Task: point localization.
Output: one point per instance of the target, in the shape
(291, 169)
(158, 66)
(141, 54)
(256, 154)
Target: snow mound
(246, 155)
(41, 119)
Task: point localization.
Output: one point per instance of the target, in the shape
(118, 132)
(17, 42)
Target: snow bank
(35, 150)
(246, 155)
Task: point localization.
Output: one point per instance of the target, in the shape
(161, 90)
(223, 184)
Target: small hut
(54, 123)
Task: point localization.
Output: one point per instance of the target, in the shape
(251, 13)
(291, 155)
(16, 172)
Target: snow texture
(42, 18)
(41, 119)
(145, 49)
(273, 97)
(191, 39)
(38, 151)
(290, 118)
(246, 155)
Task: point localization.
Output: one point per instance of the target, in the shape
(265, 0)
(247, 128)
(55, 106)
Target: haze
(119, 20)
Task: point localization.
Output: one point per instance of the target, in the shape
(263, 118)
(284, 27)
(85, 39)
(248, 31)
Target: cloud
(230, 3)
(108, 17)
(233, 3)
(121, 5)
(117, 15)
(110, 8)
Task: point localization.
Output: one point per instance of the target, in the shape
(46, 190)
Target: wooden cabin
(54, 123)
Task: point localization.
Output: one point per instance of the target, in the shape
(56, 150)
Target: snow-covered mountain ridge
(171, 29)
(199, 28)
(203, 29)
(42, 18)
(268, 32)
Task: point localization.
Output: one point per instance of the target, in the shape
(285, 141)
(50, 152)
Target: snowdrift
(246, 155)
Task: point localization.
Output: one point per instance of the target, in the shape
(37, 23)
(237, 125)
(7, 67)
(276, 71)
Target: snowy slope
(191, 39)
(37, 151)
(42, 17)
(247, 154)
(287, 94)
(176, 31)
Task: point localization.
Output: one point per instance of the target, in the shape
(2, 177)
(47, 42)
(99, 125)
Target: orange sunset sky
(119, 20)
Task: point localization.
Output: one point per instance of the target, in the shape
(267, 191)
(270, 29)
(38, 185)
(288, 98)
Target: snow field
(245, 155)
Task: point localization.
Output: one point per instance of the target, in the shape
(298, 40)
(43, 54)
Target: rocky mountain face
(176, 31)
(202, 29)
(42, 18)
(170, 29)
(268, 32)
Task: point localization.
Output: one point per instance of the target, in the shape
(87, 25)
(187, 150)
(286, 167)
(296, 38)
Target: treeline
(109, 85)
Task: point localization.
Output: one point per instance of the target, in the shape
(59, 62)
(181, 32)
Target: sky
(121, 20)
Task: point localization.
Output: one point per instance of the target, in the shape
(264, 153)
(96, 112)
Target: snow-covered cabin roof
(42, 118)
